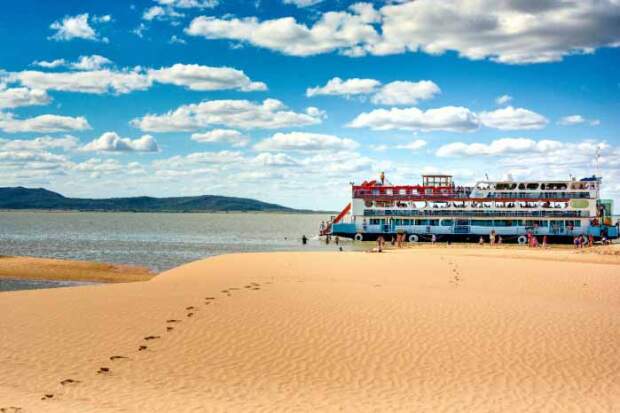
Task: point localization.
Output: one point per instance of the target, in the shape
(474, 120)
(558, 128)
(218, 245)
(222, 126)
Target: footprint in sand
(147, 338)
(190, 314)
(142, 348)
(47, 396)
(118, 357)
(11, 409)
(169, 328)
(191, 307)
(173, 321)
(103, 370)
(66, 382)
(209, 298)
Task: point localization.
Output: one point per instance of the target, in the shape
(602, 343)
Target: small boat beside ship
(439, 209)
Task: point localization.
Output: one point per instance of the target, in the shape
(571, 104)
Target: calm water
(159, 241)
(13, 285)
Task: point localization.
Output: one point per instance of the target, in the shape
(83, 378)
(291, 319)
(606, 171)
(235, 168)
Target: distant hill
(39, 198)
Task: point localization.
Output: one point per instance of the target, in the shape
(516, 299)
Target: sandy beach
(424, 329)
(32, 268)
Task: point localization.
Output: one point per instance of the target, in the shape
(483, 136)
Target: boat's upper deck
(441, 187)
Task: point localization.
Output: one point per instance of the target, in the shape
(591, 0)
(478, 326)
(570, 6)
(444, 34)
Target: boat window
(446, 222)
(433, 222)
(532, 186)
(482, 222)
(521, 186)
(402, 191)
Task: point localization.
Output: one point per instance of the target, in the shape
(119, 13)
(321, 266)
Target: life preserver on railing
(368, 204)
(522, 239)
(413, 238)
(358, 237)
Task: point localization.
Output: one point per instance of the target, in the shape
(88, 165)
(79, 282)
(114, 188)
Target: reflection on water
(158, 241)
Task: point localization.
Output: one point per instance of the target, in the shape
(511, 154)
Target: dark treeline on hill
(39, 198)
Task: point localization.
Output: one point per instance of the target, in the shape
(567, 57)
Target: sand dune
(428, 329)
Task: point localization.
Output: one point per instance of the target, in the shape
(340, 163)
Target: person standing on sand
(492, 237)
(433, 239)
(304, 239)
(337, 240)
(481, 241)
(380, 242)
(499, 239)
(544, 244)
(590, 240)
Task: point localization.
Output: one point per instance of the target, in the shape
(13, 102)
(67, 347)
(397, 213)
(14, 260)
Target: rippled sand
(427, 329)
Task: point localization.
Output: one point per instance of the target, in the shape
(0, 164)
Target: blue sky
(290, 100)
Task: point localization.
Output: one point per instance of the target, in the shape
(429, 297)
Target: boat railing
(464, 196)
(456, 213)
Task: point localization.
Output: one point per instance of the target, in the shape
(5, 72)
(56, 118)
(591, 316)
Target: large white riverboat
(439, 209)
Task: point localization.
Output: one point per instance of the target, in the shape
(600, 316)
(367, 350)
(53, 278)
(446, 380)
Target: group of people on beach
(395, 241)
(494, 239)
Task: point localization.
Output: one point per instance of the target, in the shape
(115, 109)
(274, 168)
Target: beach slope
(424, 330)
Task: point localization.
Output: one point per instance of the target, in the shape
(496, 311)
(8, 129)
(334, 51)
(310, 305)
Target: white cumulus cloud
(93, 81)
(503, 99)
(22, 96)
(503, 146)
(41, 143)
(348, 87)
(77, 27)
(448, 118)
(510, 118)
(405, 92)
(42, 123)
(230, 136)
(511, 32)
(304, 141)
(244, 114)
(198, 77)
(302, 3)
(413, 145)
(112, 142)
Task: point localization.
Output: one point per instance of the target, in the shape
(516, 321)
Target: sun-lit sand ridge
(427, 329)
(33, 268)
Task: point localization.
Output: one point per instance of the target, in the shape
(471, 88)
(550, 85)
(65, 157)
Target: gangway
(327, 229)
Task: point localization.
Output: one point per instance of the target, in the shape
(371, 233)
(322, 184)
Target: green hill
(39, 198)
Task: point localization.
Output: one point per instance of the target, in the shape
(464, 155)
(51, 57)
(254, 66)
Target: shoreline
(29, 268)
(53, 269)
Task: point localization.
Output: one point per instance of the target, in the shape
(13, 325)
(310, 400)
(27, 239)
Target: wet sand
(426, 330)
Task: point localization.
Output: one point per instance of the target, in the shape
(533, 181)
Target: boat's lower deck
(554, 231)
